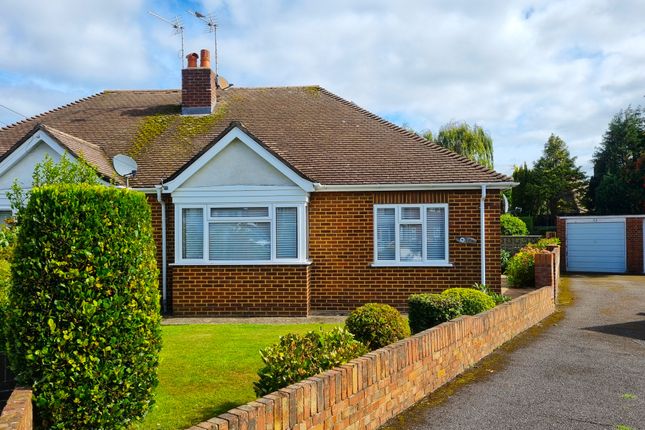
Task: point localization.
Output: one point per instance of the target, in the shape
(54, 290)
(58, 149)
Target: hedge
(512, 225)
(472, 301)
(84, 308)
(429, 310)
(377, 325)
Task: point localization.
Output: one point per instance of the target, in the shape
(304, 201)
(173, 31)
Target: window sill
(242, 263)
(420, 264)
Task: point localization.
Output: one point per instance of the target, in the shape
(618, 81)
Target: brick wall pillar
(562, 235)
(634, 239)
(544, 270)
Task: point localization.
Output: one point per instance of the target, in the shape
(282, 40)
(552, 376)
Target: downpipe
(482, 228)
(164, 300)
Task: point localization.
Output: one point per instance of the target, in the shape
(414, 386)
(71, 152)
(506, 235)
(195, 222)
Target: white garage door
(596, 246)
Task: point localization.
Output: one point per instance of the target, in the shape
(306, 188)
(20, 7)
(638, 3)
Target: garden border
(368, 391)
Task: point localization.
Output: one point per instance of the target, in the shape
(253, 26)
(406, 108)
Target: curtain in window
(192, 245)
(286, 231)
(385, 234)
(436, 233)
(237, 241)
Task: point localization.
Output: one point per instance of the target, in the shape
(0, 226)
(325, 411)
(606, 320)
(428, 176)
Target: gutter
(414, 187)
(164, 294)
(482, 241)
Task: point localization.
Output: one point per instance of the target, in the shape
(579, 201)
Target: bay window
(241, 234)
(415, 235)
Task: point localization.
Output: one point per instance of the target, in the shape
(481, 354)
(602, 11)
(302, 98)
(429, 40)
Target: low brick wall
(368, 391)
(547, 268)
(513, 244)
(18, 413)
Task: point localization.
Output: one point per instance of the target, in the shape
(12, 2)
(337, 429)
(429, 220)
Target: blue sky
(522, 69)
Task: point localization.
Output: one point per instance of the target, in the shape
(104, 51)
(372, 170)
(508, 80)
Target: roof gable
(205, 163)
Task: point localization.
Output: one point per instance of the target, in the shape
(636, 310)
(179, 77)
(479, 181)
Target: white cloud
(523, 70)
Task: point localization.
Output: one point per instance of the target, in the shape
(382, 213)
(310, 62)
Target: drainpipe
(482, 229)
(164, 301)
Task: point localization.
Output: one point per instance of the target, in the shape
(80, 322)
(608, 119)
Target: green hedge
(512, 225)
(377, 325)
(472, 300)
(429, 310)
(296, 357)
(84, 308)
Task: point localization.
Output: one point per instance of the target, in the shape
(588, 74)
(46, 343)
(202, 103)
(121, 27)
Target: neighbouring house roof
(323, 137)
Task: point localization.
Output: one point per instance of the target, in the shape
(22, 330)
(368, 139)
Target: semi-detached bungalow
(279, 201)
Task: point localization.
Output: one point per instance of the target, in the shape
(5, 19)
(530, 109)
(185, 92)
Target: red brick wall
(197, 87)
(365, 393)
(635, 245)
(341, 246)
(240, 290)
(562, 235)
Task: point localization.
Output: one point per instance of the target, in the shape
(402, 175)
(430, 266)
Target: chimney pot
(192, 60)
(205, 58)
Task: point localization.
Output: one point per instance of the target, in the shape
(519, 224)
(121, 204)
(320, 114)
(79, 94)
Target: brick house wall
(341, 248)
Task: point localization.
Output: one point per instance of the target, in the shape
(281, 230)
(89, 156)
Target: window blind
(232, 241)
(436, 233)
(411, 239)
(385, 234)
(192, 245)
(286, 231)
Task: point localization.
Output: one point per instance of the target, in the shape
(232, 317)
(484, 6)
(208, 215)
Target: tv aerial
(178, 27)
(124, 166)
(211, 25)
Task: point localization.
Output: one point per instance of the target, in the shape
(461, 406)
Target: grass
(206, 370)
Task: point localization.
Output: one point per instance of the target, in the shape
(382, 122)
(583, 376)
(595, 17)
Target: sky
(522, 70)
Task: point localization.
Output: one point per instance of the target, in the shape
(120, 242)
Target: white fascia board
(415, 187)
(226, 140)
(592, 218)
(27, 146)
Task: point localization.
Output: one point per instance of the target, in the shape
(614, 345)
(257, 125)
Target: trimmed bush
(472, 300)
(428, 310)
(512, 225)
(296, 357)
(546, 242)
(497, 298)
(377, 325)
(521, 267)
(84, 306)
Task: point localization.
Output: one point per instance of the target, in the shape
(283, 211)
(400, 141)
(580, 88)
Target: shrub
(512, 225)
(377, 325)
(546, 242)
(472, 300)
(84, 306)
(505, 258)
(296, 357)
(497, 298)
(521, 267)
(5, 284)
(429, 310)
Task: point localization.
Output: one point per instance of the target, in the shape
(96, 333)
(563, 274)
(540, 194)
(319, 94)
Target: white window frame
(301, 234)
(424, 232)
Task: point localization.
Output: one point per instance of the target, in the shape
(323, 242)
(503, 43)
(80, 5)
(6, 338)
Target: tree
(618, 182)
(557, 182)
(523, 195)
(49, 172)
(470, 141)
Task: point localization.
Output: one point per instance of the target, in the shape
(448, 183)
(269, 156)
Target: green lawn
(206, 370)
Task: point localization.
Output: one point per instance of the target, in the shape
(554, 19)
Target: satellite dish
(124, 166)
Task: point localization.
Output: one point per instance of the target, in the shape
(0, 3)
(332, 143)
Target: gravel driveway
(584, 369)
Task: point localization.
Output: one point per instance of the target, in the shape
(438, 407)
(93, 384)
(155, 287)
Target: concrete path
(583, 369)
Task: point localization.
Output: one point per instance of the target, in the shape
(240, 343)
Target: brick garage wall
(240, 290)
(18, 413)
(368, 391)
(634, 238)
(341, 246)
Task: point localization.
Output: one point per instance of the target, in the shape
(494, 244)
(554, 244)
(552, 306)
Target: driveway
(583, 369)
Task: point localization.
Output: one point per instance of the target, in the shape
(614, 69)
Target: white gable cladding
(237, 164)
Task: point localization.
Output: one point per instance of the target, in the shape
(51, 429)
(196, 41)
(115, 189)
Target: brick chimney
(198, 89)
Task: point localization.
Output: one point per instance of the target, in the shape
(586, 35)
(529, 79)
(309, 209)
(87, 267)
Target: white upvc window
(241, 234)
(411, 235)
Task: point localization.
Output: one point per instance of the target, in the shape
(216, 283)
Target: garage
(604, 244)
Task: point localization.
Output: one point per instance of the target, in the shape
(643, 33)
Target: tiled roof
(324, 137)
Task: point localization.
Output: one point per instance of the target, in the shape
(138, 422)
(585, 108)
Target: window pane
(261, 212)
(436, 229)
(239, 241)
(286, 228)
(192, 226)
(385, 234)
(411, 213)
(411, 238)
